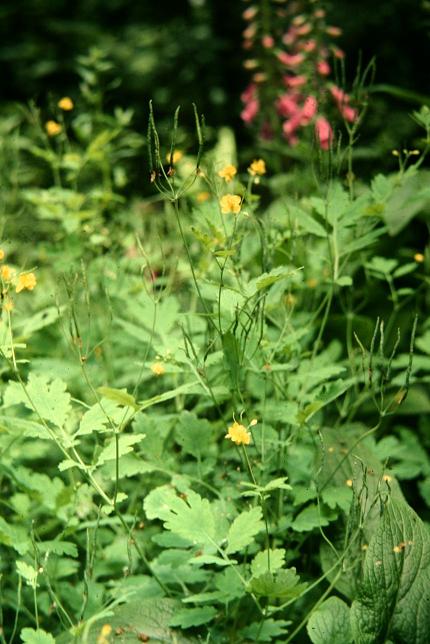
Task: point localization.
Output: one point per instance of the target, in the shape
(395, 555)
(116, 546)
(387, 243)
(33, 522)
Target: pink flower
(290, 37)
(287, 105)
(349, 113)
(309, 46)
(295, 81)
(309, 109)
(333, 31)
(248, 93)
(323, 132)
(303, 30)
(338, 94)
(291, 60)
(267, 42)
(323, 68)
(338, 53)
(250, 110)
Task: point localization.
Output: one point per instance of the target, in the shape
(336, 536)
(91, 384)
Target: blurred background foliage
(190, 50)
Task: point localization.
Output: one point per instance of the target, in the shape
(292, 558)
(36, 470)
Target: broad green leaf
(39, 636)
(312, 517)
(125, 445)
(150, 617)
(15, 536)
(283, 584)
(267, 561)
(39, 320)
(302, 220)
(243, 530)
(193, 519)
(194, 434)
(104, 416)
(329, 624)
(49, 397)
(188, 617)
(266, 631)
(58, 548)
(393, 599)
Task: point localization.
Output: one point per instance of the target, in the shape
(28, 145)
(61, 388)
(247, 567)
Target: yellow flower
(8, 305)
(202, 196)
(258, 166)
(52, 128)
(230, 203)
(26, 281)
(6, 272)
(1, 254)
(66, 104)
(103, 637)
(158, 369)
(419, 257)
(238, 434)
(176, 156)
(228, 173)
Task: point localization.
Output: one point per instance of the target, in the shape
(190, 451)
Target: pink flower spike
(290, 37)
(267, 42)
(323, 68)
(338, 53)
(323, 132)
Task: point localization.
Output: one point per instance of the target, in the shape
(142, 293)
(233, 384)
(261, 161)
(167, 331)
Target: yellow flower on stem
(176, 156)
(238, 434)
(66, 104)
(26, 281)
(52, 128)
(8, 305)
(230, 203)
(257, 167)
(202, 196)
(158, 369)
(228, 173)
(419, 257)
(6, 273)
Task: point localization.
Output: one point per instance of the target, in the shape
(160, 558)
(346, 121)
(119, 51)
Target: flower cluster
(53, 128)
(232, 203)
(290, 87)
(9, 280)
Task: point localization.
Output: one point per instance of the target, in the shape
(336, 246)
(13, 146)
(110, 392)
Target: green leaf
(301, 219)
(15, 536)
(393, 599)
(193, 434)
(31, 636)
(150, 617)
(192, 519)
(266, 631)
(260, 563)
(120, 396)
(283, 584)
(312, 517)
(125, 443)
(243, 530)
(48, 396)
(27, 572)
(329, 624)
(104, 416)
(188, 617)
